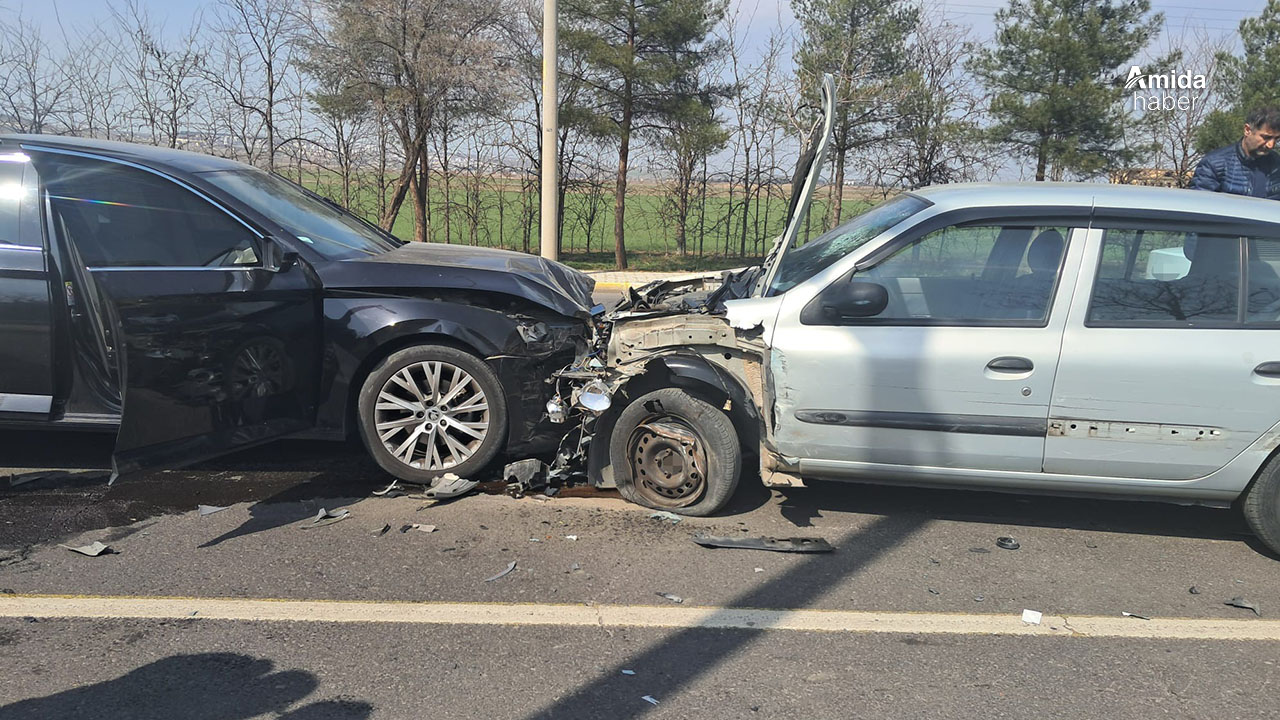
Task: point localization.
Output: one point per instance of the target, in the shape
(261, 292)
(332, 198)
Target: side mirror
(845, 300)
(276, 257)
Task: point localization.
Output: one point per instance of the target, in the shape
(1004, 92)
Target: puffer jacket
(1225, 170)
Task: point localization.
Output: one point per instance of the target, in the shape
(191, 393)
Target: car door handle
(1010, 365)
(1268, 369)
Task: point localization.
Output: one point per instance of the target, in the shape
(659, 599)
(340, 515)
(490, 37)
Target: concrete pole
(550, 130)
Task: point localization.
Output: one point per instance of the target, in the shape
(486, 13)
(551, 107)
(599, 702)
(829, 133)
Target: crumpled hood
(462, 267)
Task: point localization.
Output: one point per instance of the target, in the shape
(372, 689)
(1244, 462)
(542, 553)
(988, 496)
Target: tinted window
(328, 229)
(11, 197)
(803, 262)
(1160, 277)
(973, 273)
(118, 216)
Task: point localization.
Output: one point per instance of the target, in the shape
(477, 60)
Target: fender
(698, 369)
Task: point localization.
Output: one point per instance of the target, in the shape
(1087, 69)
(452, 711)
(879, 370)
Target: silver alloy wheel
(431, 415)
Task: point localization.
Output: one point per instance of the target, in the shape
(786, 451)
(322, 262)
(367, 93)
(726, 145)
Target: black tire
(412, 365)
(1261, 505)
(670, 429)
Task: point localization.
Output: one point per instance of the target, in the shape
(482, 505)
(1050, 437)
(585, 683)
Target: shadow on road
(677, 663)
(210, 686)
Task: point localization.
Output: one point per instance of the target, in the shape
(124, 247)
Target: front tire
(673, 451)
(428, 410)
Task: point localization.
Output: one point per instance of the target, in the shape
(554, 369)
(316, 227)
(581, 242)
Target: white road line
(843, 621)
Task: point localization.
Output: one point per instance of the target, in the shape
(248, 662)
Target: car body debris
(424, 528)
(93, 549)
(1193, 590)
(383, 530)
(628, 672)
(327, 517)
(979, 550)
(525, 476)
(650, 699)
(210, 509)
(788, 545)
(389, 491)
(1032, 617)
(1243, 604)
(450, 485)
(570, 537)
(1135, 615)
(504, 573)
(1007, 543)
(673, 598)
(665, 515)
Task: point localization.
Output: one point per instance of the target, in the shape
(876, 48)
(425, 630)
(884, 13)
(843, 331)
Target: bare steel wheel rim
(431, 415)
(668, 462)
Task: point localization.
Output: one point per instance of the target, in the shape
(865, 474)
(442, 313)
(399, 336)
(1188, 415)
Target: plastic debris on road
(664, 515)
(1193, 590)
(504, 573)
(650, 699)
(210, 509)
(424, 528)
(327, 517)
(1134, 615)
(789, 545)
(450, 485)
(1243, 604)
(93, 549)
(1007, 543)
(570, 537)
(673, 598)
(382, 530)
(1032, 617)
(389, 491)
(628, 672)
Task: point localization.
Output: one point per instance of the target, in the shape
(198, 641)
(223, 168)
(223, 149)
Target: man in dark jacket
(1249, 167)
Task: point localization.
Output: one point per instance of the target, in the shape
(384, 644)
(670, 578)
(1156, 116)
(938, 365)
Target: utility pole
(550, 131)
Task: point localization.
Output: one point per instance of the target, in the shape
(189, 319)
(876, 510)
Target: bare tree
(33, 86)
(163, 79)
(1175, 129)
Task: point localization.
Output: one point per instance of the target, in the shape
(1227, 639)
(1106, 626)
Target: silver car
(1067, 338)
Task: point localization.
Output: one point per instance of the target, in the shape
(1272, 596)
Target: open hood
(803, 183)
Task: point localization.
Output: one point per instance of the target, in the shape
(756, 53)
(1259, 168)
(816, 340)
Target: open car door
(214, 328)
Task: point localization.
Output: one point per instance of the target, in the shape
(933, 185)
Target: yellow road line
(646, 616)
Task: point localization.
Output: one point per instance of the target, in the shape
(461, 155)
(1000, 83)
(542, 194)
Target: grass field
(484, 212)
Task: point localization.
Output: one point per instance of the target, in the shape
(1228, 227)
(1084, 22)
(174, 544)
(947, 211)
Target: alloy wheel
(431, 415)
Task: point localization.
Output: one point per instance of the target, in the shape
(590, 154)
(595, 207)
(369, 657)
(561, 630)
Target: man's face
(1260, 140)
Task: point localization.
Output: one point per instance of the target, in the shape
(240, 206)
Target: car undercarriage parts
(787, 545)
(525, 476)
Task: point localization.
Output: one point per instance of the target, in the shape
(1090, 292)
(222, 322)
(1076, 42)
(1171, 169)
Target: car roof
(1100, 195)
(148, 155)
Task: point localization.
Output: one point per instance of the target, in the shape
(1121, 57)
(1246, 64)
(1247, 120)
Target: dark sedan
(198, 305)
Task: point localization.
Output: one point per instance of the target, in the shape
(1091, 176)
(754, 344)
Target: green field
(485, 213)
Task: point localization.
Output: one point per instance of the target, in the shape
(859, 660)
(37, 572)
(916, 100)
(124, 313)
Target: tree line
(423, 115)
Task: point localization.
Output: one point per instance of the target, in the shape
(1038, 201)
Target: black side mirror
(845, 300)
(276, 257)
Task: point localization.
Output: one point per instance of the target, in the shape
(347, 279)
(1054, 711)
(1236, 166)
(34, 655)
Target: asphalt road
(919, 613)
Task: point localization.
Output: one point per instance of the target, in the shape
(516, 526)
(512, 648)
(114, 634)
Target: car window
(973, 273)
(804, 261)
(120, 216)
(328, 229)
(12, 194)
(1156, 278)
(1263, 271)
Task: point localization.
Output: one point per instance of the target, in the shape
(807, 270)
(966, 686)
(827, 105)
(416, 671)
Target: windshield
(334, 233)
(805, 261)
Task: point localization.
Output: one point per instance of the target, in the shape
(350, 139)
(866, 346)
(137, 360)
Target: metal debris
(1134, 615)
(405, 528)
(934, 592)
(979, 598)
(789, 545)
(390, 490)
(1193, 590)
(327, 517)
(664, 515)
(424, 528)
(1243, 604)
(650, 699)
(673, 598)
(1032, 617)
(92, 550)
(628, 672)
(504, 573)
(450, 485)
(210, 509)
(979, 550)
(380, 531)
(524, 476)
(1007, 543)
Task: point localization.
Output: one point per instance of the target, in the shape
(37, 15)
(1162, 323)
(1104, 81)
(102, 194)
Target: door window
(983, 274)
(1161, 278)
(119, 216)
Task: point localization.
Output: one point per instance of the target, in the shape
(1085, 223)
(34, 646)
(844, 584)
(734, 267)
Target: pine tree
(1254, 78)
(642, 58)
(1053, 72)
